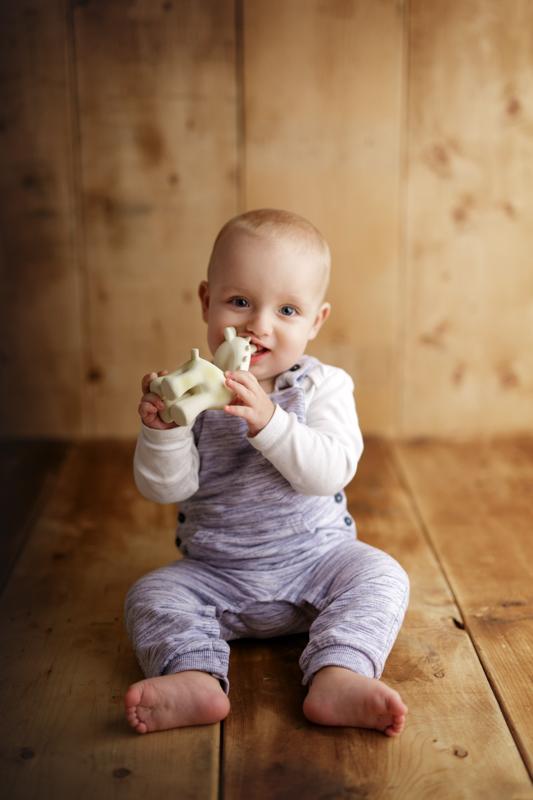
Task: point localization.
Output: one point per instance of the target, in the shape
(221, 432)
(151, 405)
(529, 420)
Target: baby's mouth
(260, 351)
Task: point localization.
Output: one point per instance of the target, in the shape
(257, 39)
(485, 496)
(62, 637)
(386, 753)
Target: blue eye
(288, 311)
(240, 302)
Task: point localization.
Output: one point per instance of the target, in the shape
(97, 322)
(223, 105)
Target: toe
(395, 704)
(132, 698)
(397, 725)
(219, 707)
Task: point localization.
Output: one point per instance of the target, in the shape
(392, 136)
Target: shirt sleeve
(166, 464)
(320, 456)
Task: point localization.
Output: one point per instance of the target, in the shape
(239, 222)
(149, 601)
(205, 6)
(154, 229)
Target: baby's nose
(259, 324)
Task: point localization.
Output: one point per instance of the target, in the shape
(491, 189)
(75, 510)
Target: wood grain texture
(475, 501)
(40, 290)
(456, 743)
(131, 131)
(469, 285)
(28, 470)
(65, 660)
(322, 129)
(157, 105)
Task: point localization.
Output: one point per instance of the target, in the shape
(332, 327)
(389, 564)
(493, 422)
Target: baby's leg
(364, 598)
(172, 620)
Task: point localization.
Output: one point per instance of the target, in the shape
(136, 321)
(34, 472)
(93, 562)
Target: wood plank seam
(501, 702)
(404, 482)
(403, 219)
(79, 234)
(463, 622)
(221, 748)
(239, 105)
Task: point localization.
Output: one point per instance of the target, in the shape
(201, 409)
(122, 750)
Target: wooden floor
(76, 534)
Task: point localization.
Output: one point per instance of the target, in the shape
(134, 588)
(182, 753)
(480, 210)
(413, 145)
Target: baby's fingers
(239, 389)
(153, 399)
(147, 409)
(147, 379)
(243, 378)
(237, 410)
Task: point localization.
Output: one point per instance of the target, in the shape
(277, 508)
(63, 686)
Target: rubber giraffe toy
(199, 384)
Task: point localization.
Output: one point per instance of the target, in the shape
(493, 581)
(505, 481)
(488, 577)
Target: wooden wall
(131, 130)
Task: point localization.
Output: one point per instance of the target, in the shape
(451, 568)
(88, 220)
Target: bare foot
(175, 701)
(338, 696)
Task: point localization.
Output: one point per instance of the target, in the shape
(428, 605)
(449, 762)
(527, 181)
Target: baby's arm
(166, 460)
(319, 457)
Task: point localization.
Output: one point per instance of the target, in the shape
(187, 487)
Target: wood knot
(121, 772)
(507, 375)
(460, 752)
(438, 160)
(436, 337)
(509, 209)
(94, 375)
(514, 106)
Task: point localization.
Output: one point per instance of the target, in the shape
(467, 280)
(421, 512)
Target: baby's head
(267, 277)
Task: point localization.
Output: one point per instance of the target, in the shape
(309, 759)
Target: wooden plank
(456, 743)
(40, 327)
(476, 503)
(27, 472)
(323, 85)
(157, 103)
(65, 660)
(468, 332)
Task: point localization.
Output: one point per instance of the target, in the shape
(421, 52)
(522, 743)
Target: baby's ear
(322, 315)
(203, 294)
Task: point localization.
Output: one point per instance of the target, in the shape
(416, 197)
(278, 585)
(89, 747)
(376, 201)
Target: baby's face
(268, 289)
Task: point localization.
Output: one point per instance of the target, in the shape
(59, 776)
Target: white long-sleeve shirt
(317, 457)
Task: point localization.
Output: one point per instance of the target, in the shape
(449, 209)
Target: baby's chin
(267, 384)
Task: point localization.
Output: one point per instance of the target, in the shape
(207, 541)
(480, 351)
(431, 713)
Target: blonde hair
(276, 223)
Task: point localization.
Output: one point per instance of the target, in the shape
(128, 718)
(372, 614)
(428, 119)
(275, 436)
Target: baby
(268, 545)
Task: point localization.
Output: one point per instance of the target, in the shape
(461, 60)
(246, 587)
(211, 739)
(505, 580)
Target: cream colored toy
(199, 384)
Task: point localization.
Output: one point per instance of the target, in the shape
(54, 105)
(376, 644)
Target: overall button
(338, 497)
(181, 517)
(348, 520)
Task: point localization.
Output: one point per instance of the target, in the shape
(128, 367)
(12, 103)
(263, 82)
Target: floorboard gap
(222, 731)
(461, 623)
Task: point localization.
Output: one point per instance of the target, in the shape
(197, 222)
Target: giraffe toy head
(235, 351)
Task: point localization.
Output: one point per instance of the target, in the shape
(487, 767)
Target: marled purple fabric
(263, 560)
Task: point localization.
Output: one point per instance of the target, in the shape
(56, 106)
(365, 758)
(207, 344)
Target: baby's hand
(252, 402)
(151, 404)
